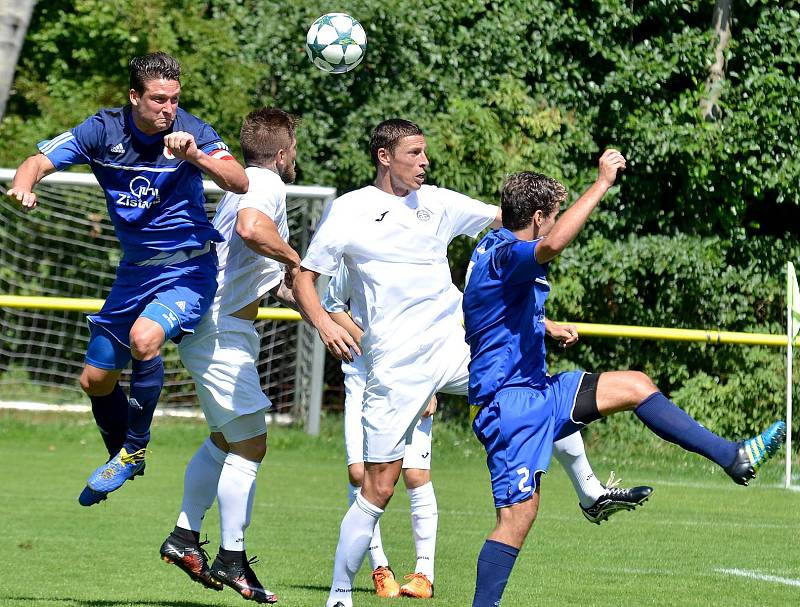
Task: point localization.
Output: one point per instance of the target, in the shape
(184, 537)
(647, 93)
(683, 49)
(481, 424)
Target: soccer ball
(336, 43)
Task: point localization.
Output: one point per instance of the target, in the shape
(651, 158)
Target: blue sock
(673, 424)
(495, 563)
(111, 416)
(147, 379)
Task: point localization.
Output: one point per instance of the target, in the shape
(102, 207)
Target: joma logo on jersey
(142, 194)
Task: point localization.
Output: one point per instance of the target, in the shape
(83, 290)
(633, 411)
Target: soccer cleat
(191, 558)
(754, 452)
(615, 499)
(418, 586)
(385, 584)
(239, 576)
(90, 497)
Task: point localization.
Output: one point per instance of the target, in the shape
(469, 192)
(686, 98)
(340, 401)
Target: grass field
(700, 540)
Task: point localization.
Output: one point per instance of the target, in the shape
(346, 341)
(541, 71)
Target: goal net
(67, 248)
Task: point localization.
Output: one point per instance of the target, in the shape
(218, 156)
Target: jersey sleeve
(337, 294)
(517, 263)
(76, 146)
(324, 254)
(209, 142)
(466, 215)
(261, 196)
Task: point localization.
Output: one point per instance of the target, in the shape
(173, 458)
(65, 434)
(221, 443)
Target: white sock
(424, 520)
(354, 537)
(377, 557)
(571, 454)
(235, 493)
(200, 485)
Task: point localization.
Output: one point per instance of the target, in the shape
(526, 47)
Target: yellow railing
(584, 329)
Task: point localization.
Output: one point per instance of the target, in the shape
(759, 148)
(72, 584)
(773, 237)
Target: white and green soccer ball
(336, 43)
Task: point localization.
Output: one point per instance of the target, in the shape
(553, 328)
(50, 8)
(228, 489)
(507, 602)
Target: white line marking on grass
(754, 575)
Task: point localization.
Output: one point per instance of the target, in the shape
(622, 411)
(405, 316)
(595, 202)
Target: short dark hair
(265, 132)
(389, 133)
(525, 193)
(153, 66)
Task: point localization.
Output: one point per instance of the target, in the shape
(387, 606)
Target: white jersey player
(221, 357)
(392, 237)
(416, 458)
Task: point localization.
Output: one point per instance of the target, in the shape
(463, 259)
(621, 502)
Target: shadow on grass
(96, 602)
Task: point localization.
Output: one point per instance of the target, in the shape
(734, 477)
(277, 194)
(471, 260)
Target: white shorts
(399, 388)
(221, 357)
(417, 452)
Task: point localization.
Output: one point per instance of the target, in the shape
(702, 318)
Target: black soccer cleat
(615, 499)
(191, 558)
(238, 575)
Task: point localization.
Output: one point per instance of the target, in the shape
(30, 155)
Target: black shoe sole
(626, 507)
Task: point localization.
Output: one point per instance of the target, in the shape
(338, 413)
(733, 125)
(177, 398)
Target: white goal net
(67, 248)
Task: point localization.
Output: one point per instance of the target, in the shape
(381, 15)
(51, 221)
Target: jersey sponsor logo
(382, 216)
(423, 215)
(142, 194)
(181, 305)
(118, 149)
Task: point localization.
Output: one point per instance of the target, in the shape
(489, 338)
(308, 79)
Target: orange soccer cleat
(418, 586)
(385, 584)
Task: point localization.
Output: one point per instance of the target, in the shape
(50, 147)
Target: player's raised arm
(225, 171)
(29, 173)
(338, 341)
(571, 222)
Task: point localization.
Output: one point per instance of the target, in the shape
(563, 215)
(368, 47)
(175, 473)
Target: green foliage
(697, 232)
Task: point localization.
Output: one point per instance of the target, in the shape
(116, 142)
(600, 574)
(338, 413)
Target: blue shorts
(174, 296)
(518, 429)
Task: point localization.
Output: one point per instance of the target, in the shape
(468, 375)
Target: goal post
(66, 248)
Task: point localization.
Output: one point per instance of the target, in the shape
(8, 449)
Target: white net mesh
(67, 248)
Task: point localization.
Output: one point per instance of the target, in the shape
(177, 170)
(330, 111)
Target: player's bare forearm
(574, 218)
(344, 320)
(30, 172)
(338, 341)
(226, 173)
(260, 234)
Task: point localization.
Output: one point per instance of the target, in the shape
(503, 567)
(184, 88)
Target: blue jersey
(504, 316)
(154, 199)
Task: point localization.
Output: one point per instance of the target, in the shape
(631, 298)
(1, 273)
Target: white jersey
(243, 274)
(395, 250)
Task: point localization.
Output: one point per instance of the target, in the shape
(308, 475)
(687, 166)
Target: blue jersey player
(522, 408)
(149, 157)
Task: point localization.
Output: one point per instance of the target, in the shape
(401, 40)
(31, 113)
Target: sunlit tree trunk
(15, 15)
(721, 22)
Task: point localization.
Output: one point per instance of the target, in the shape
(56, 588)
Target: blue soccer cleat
(754, 452)
(111, 475)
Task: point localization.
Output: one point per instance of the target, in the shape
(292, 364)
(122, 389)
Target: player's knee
(355, 474)
(415, 477)
(144, 346)
(96, 383)
(642, 386)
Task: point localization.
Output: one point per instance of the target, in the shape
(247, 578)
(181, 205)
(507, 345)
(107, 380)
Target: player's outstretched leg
(754, 452)
(111, 475)
(596, 501)
(184, 549)
(615, 499)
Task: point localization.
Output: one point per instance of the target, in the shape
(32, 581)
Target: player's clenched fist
(610, 162)
(182, 145)
(26, 199)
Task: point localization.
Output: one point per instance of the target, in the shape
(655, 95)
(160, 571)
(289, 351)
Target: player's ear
(133, 96)
(384, 157)
(538, 218)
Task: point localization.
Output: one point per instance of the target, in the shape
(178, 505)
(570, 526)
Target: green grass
(668, 553)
